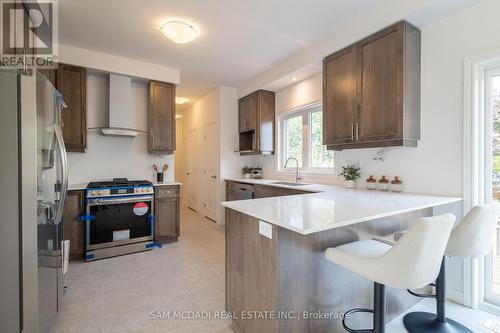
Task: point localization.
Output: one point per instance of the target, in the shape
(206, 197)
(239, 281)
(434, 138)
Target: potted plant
(247, 172)
(351, 174)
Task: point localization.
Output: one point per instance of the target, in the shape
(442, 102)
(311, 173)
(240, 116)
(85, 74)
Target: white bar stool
(472, 238)
(413, 262)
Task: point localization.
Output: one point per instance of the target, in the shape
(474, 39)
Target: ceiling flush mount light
(179, 32)
(181, 100)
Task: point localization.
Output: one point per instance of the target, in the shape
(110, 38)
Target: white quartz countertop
(166, 184)
(333, 207)
(83, 186)
(76, 187)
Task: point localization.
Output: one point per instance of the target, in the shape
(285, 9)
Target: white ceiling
(238, 38)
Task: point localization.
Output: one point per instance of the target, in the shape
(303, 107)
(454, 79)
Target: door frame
(474, 167)
(204, 183)
(189, 147)
(487, 298)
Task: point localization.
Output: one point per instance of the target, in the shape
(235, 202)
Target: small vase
(350, 183)
(247, 175)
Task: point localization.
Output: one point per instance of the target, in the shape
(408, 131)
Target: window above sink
(300, 136)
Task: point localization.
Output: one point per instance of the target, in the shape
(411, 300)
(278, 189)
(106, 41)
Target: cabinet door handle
(352, 132)
(357, 131)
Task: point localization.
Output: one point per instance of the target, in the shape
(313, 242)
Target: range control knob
(99, 192)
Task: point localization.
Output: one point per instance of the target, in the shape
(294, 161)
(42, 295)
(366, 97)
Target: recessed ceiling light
(179, 32)
(294, 78)
(181, 100)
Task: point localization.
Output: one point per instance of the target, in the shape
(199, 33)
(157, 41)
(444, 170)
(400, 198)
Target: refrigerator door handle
(65, 255)
(64, 173)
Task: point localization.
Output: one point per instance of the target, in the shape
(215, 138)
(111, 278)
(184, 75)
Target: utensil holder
(159, 177)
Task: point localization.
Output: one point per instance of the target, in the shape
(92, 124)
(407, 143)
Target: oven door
(119, 221)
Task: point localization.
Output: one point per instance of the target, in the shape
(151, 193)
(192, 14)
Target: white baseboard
(455, 295)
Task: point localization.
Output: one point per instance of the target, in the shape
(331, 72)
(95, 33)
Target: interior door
(339, 96)
(210, 171)
(191, 169)
(380, 86)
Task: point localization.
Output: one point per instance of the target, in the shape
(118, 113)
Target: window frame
(471, 291)
(489, 296)
(304, 111)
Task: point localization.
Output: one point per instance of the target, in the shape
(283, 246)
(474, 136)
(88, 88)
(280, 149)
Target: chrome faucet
(297, 177)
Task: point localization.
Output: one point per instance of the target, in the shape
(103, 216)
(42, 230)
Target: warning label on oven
(119, 235)
(140, 208)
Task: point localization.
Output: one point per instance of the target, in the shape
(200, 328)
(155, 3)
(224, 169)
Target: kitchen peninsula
(275, 254)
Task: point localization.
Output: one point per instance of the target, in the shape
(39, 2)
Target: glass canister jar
(371, 183)
(383, 184)
(396, 185)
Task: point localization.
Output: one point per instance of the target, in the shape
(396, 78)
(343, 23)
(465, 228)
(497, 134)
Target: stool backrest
(473, 237)
(416, 258)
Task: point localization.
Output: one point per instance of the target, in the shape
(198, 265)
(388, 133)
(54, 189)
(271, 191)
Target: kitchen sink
(288, 183)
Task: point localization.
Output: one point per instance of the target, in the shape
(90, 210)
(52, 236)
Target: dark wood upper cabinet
(371, 92)
(71, 82)
(256, 123)
(161, 117)
(339, 91)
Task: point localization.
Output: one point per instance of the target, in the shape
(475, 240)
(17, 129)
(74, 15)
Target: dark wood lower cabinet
(73, 228)
(263, 191)
(289, 276)
(167, 212)
(259, 191)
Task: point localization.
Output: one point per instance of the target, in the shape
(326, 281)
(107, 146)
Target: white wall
(435, 166)
(116, 64)
(106, 156)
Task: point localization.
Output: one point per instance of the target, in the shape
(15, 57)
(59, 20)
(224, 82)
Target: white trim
(473, 162)
(280, 139)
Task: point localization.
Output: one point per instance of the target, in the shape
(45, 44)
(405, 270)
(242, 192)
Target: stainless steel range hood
(120, 107)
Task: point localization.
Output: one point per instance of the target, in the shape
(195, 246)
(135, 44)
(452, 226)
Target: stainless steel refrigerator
(33, 253)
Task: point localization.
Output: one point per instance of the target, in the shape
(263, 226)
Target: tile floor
(119, 294)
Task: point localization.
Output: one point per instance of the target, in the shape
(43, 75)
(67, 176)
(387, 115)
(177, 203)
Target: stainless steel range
(119, 218)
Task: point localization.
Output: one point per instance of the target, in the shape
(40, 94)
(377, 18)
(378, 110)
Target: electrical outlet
(266, 229)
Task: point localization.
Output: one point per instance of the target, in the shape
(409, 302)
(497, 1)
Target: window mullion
(306, 158)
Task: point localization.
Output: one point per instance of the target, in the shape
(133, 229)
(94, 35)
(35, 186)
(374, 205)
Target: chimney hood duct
(121, 118)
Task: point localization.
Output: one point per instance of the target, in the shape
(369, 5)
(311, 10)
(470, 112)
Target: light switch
(266, 229)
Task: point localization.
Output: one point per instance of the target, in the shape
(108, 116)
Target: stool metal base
(424, 322)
